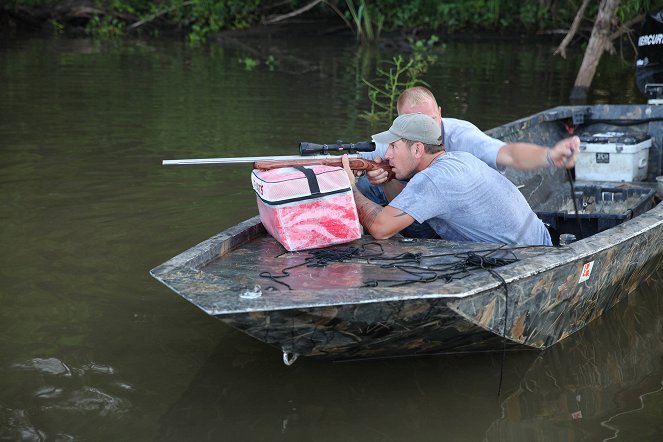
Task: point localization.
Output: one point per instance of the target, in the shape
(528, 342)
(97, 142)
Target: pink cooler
(307, 207)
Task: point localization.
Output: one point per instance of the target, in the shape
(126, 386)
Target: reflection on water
(92, 348)
(376, 400)
(602, 382)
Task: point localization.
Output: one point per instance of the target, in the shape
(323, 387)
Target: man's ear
(419, 149)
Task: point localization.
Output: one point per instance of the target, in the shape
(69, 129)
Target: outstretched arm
(381, 222)
(528, 156)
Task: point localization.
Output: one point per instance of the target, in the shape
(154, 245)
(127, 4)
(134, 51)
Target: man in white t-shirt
(455, 193)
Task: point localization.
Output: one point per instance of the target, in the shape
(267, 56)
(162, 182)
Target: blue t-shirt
(463, 199)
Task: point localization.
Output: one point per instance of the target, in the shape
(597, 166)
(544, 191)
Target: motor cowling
(649, 61)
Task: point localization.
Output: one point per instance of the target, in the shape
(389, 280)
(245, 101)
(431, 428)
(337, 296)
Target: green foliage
(209, 16)
(532, 15)
(58, 28)
(249, 63)
(30, 3)
(422, 57)
(397, 75)
(105, 27)
(368, 18)
(130, 7)
(629, 9)
(452, 16)
(367, 23)
(198, 34)
(271, 62)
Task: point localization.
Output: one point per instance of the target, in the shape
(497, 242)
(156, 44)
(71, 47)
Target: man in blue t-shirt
(458, 195)
(460, 135)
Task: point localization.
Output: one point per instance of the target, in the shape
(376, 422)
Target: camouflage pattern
(592, 377)
(550, 293)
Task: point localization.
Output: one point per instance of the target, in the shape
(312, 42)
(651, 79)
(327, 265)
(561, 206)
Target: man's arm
(381, 222)
(528, 156)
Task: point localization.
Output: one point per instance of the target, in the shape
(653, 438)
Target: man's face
(428, 107)
(402, 159)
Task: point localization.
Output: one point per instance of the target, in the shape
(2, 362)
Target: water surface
(92, 348)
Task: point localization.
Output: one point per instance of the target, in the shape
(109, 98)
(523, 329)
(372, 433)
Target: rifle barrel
(241, 160)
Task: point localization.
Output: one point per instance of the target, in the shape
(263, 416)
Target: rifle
(306, 159)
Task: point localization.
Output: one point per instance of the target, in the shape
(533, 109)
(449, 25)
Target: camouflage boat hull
(362, 308)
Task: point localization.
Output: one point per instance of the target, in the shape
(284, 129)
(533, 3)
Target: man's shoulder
(459, 132)
(454, 163)
(455, 123)
(463, 157)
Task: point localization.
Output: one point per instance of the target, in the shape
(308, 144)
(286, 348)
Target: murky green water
(92, 348)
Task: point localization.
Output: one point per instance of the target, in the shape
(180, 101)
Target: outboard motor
(649, 62)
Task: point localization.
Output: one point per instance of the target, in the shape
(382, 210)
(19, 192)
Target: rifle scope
(317, 149)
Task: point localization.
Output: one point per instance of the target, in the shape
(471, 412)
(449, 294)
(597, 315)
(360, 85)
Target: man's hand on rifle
(377, 177)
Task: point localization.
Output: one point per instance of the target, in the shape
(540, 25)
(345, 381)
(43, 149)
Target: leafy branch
(398, 75)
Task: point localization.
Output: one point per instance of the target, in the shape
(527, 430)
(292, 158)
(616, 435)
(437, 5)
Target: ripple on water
(55, 366)
(17, 426)
(68, 396)
(52, 366)
(91, 399)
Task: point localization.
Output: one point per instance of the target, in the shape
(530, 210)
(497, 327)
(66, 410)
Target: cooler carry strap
(313, 185)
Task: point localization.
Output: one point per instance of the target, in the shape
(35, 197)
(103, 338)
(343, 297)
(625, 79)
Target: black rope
(323, 257)
(503, 283)
(408, 263)
(575, 203)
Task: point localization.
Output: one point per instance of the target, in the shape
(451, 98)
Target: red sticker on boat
(586, 271)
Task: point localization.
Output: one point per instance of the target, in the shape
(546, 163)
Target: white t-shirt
(459, 135)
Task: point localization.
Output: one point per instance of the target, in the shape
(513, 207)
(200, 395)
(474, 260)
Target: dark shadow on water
(248, 394)
(581, 389)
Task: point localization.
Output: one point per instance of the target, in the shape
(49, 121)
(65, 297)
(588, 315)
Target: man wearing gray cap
(459, 135)
(457, 194)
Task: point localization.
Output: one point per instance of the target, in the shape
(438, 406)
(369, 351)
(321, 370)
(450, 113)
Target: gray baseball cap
(413, 127)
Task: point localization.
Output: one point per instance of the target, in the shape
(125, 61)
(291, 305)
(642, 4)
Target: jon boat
(404, 297)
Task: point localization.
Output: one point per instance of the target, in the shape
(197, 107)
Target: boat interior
(618, 171)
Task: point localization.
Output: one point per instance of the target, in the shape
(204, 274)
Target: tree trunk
(599, 42)
(561, 50)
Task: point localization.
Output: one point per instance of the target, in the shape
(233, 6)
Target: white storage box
(613, 156)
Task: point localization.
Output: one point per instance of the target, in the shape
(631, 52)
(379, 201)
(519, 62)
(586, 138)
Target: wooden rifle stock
(355, 164)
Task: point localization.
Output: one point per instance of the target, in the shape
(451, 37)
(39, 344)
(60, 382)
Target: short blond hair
(414, 96)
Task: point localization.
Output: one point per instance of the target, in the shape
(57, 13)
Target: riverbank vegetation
(367, 19)
(593, 23)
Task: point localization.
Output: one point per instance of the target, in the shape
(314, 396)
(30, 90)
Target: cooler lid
(289, 183)
(613, 137)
